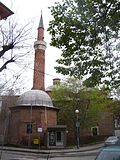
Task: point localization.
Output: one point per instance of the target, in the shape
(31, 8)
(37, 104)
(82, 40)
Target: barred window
(95, 131)
(29, 128)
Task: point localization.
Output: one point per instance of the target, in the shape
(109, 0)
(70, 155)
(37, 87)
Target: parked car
(109, 153)
(112, 140)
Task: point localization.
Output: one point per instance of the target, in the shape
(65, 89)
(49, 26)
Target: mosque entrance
(56, 137)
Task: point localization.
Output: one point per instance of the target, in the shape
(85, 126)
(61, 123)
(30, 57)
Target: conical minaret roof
(41, 22)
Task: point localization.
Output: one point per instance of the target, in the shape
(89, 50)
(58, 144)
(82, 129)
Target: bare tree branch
(4, 66)
(11, 37)
(6, 48)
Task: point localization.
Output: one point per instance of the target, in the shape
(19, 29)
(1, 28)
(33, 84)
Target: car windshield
(112, 138)
(107, 155)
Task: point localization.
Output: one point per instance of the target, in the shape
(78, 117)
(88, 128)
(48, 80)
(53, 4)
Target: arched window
(95, 131)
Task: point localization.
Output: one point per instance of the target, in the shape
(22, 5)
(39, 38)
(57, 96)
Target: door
(59, 138)
(52, 138)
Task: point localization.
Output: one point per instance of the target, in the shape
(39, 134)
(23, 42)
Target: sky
(25, 10)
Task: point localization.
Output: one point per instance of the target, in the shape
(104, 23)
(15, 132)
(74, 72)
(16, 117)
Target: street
(10, 155)
(75, 158)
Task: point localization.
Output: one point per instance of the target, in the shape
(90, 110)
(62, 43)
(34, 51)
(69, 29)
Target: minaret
(39, 62)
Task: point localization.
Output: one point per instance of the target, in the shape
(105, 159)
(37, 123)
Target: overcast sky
(28, 9)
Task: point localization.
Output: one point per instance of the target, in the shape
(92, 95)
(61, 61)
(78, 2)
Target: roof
(34, 98)
(41, 22)
(57, 127)
(49, 88)
(4, 11)
(112, 148)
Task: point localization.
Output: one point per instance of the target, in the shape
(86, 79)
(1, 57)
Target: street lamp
(77, 127)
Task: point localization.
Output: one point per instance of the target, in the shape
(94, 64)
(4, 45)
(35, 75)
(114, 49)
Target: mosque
(34, 118)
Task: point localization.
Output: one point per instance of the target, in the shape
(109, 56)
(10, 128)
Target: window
(52, 138)
(95, 131)
(29, 128)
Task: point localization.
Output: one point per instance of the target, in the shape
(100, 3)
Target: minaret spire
(39, 62)
(40, 29)
(41, 22)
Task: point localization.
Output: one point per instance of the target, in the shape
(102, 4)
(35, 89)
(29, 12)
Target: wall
(40, 117)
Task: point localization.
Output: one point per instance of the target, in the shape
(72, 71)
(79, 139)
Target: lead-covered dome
(34, 98)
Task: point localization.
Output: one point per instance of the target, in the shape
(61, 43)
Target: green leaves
(91, 102)
(87, 32)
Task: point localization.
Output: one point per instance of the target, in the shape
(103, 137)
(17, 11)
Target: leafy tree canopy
(90, 102)
(88, 33)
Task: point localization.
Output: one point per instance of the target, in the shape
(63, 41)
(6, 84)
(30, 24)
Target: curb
(46, 152)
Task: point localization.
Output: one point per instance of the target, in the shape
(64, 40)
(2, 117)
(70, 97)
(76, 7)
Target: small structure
(56, 136)
(4, 11)
(34, 117)
(56, 83)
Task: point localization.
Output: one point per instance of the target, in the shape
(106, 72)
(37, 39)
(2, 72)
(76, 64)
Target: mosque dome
(49, 88)
(34, 98)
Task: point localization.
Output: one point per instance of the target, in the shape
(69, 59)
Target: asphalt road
(76, 158)
(8, 155)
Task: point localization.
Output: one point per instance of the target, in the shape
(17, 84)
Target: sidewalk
(54, 151)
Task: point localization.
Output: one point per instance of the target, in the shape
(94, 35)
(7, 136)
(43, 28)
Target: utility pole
(77, 127)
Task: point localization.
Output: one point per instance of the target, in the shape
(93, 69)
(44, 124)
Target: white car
(112, 140)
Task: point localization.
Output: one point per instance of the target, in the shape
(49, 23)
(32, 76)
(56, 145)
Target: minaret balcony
(40, 45)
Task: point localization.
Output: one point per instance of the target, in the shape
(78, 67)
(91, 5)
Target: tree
(13, 85)
(90, 102)
(88, 33)
(13, 37)
(14, 50)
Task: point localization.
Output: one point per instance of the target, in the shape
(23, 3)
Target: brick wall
(39, 69)
(40, 118)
